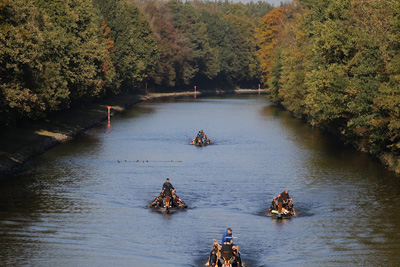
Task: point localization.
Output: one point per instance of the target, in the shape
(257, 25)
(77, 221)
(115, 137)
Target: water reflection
(84, 202)
(359, 191)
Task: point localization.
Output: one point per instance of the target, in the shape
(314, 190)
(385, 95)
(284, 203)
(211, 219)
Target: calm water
(84, 202)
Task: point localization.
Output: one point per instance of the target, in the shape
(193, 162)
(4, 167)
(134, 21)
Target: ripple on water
(84, 202)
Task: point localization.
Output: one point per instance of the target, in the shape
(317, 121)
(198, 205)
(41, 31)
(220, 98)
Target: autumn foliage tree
(266, 35)
(55, 54)
(336, 64)
(210, 44)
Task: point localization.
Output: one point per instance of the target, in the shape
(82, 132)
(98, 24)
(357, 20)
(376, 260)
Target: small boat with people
(201, 139)
(167, 201)
(282, 206)
(226, 254)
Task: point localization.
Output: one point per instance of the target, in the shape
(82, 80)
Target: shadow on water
(167, 214)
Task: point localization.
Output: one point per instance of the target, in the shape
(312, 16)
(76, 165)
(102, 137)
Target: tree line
(55, 54)
(336, 63)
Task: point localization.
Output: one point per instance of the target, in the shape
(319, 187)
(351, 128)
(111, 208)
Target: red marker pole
(109, 114)
(195, 91)
(259, 87)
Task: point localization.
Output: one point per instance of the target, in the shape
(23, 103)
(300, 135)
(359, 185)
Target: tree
(20, 64)
(266, 35)
(75, 49)
(135, 51)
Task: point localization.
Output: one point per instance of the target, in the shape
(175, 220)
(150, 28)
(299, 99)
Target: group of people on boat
(200, 139)
(283, 204)
(167, 198)
(226, 253)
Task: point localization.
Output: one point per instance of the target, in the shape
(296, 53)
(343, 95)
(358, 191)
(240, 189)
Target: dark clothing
(167, 189)
(274, 205)
(290, 208)
(285, 196)
(160, 202)
(175, 202)
(236, 259)
(213, 258)
(168, 185)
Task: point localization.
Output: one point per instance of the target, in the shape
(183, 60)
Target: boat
(167, 204)
(198, 142)
(280, 209)
(284, 214)
(201, 139)
(225, 255)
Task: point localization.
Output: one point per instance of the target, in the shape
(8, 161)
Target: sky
(276, 3)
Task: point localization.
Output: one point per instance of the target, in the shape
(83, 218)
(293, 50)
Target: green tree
(173, 68)
(388, 101)
(135, 51)
(186, 20)
(20, 61)
(75, 51)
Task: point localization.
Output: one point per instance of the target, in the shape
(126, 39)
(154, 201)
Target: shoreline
(34, 138)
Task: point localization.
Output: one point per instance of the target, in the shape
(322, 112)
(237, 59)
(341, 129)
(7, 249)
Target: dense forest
(336, 63)
(56, 54)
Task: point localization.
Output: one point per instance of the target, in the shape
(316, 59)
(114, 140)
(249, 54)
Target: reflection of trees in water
(362, 194)
(144, 108)
(32, 194)
(20, 206)
(329, 152)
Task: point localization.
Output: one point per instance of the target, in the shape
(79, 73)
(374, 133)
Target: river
(83, 203)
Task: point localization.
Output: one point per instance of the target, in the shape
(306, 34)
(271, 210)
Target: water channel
(83, 203)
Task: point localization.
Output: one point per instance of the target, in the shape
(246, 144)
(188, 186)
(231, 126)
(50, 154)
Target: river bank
(30, 139)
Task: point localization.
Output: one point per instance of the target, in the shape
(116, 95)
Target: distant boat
(201, 139)
(200, 143)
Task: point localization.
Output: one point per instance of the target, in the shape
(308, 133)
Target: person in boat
(274, 205)
(227, 237)
(285, 197)
(280, 204)
(290, 207)
(200, 133)
(213, 259)
(159, 201)
(215, 255)
(168, 189)
(203, 136)
(236, 260)
(200, 137)
(176, 201)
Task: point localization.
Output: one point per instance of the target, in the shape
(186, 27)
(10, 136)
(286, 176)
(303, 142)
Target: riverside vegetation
(334, 63)
(54, 55)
